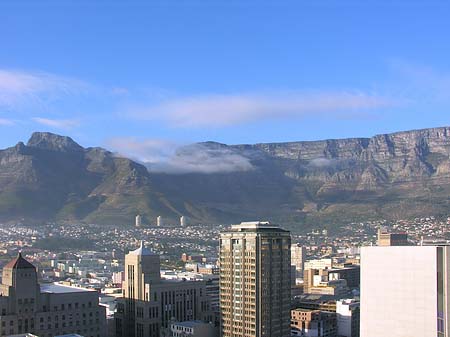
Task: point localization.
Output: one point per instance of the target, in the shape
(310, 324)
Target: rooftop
(19, 263)
(253, 225)
(55, 288)
(142, 250)
(190, 324)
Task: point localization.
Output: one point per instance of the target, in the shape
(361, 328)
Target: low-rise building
(313, 323)
(46, 310)
(347, 312)
(193, 329)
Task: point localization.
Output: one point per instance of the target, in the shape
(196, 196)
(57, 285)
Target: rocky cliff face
(391, 176)
(52, 177)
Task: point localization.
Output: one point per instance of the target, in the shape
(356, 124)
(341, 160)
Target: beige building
(298, 257)
(386, 238)
(255, 280)
(150, 304)
(311, 277)
(46, 310)
(319, 264)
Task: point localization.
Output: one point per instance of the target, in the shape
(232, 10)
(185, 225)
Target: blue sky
(122, 74)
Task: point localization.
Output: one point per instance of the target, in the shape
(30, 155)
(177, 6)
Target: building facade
(386, 238)
(348, 318)
(138, 221)
(194, 329)
(405, 291)
(313, 323)
(298, 257)
(150, 304)
(46, 310)
(255, 280)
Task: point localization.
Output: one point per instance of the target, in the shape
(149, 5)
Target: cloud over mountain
(169, 157)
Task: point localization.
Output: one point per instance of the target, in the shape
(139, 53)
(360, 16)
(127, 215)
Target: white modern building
(138, 221)
(404, 291)
(347, 314)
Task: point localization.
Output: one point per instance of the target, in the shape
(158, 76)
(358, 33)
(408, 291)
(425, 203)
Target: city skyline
(224, 169)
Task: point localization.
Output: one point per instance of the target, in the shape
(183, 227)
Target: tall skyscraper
(255, 280)
(159, 221)
(405, 291)
(183, 221)
(150, 303)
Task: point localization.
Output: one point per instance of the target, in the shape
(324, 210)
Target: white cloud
(228, 110)
(322, 162)
(169, 157)
(18, 88)
(6, 122)
(57, 123)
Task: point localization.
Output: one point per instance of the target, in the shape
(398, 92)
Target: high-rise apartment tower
(255, 280)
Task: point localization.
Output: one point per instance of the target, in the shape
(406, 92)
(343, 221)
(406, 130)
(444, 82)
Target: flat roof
(190, 324)
(55, 288)
(254, 224)
(255, 227)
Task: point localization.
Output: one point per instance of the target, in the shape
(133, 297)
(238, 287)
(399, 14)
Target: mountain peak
(54, 142)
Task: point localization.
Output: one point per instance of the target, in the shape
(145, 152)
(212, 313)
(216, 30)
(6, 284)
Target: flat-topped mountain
(390, 176)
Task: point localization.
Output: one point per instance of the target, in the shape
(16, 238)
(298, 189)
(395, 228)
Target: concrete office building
(46, 310)
(194, 329)
(318, 264)
(255, 280)
(348, 318)
(150, 304)
(298, 257)
(405, 291)
(349, 273)
(183, 221)
(313, 323)
(386, 238)
(311, 277)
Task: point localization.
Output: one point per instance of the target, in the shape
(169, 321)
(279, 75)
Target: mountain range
(298, 184)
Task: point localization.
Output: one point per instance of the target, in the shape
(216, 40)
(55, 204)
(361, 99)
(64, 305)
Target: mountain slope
(52, 177)
(333, 181)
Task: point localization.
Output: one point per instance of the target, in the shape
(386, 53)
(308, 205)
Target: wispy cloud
(57, 123)
(228, 110)
(6, 122)
(422, 84)
(18, 88)
(169, 157)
